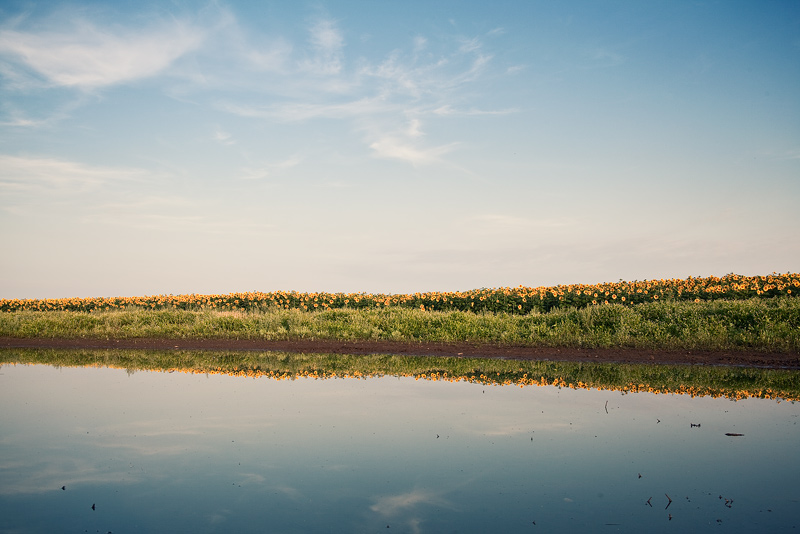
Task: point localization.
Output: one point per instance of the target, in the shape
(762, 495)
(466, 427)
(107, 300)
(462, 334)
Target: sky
(393, 147)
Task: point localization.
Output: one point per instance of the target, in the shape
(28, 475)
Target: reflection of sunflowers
(727, 382)
(493, 379)
(510, 300)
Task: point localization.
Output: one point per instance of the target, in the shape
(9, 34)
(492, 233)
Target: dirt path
(735, 358)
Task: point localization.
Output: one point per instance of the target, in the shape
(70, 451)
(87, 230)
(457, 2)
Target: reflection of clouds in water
(337, 467)
(218, 518)
(292, 493)
(508, 430)
(251, 479)
(168, 437)
(517, 430)
(405, 505)
(40, 477)
(490, 426)
(181, 426)
(394, 503)
(146, 449)
(149, 429)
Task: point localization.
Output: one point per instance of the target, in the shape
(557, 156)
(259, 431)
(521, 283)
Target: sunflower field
(518, 300)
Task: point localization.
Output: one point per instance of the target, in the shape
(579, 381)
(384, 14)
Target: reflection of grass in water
(762, 324)
(730, 382)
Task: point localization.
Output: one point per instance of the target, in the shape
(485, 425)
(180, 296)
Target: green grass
(771, 324)
(730, 382)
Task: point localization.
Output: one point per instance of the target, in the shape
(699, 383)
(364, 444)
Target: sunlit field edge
(727, 313)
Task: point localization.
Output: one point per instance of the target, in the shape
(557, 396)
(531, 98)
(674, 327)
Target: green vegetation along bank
(761, 324)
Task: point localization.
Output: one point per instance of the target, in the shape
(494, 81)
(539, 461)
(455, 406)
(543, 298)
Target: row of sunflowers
(518, 300)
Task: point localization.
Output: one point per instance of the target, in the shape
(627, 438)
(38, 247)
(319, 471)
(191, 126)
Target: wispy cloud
(420, 43)
(292, 112)
(19, 121)
(41, 115)
(327, 43)
(470, 45)
(265, 171)
(790, 154)
(448, 110)
(269, 59)
(405, 143)
(398, 148)
(414, 128)
(402, 76)
(375, 95)
(603, 57)
(27, 174)
(86, 56)
(111, 214)
(224, 138)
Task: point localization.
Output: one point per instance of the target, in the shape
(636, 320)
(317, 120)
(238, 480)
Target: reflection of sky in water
(190, 453)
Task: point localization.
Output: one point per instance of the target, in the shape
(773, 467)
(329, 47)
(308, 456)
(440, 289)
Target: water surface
(160, 451)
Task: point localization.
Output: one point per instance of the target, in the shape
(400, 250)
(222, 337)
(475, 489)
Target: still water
(105, 450)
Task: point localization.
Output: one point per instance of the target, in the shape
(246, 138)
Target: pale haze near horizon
(394, 147)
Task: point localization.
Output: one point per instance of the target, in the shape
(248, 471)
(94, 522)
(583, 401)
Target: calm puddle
(159, 451)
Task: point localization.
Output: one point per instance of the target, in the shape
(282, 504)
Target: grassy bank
(733, 383)
(769, 324)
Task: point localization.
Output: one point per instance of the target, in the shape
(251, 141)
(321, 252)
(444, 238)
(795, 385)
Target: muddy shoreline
(740, 358)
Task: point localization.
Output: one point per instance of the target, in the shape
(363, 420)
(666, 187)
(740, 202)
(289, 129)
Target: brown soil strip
(744, 358)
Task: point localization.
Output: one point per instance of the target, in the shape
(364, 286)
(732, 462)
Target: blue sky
(376, 146)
